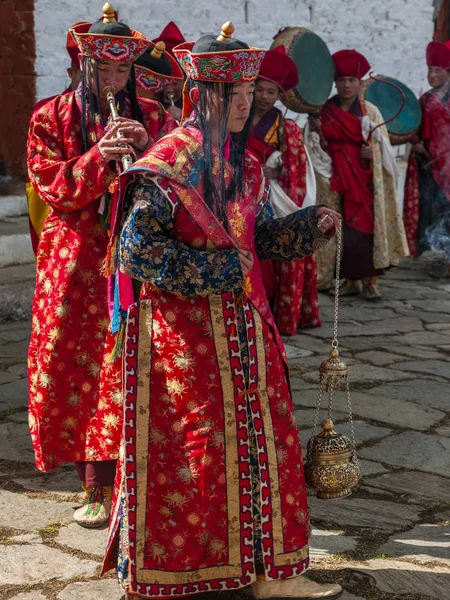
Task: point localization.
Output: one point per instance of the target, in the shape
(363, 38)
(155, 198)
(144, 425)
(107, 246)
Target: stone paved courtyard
(389, 540)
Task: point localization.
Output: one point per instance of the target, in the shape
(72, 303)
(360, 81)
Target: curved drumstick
(394, 85)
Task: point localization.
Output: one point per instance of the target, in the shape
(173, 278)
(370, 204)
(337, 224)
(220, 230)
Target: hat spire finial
(226, 32)
(108, 13)
(158, 49)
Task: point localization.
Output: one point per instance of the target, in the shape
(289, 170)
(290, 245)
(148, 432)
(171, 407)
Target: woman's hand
(246, 260)
(327, 219)
(315, 124)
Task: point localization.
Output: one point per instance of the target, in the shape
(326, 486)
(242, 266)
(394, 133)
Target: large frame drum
(315, 69)
(388, 101)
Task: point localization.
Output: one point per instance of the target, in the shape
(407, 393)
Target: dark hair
(217, 194)
(90, 103)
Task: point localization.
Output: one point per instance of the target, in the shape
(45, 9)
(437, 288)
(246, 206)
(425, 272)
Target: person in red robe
(291, 286)
(37, 208)
(75, 400)
(171, 95)
(426, 206)
(210, 494)
(354, 177)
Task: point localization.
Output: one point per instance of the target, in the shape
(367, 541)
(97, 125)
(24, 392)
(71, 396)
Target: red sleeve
(66, 185)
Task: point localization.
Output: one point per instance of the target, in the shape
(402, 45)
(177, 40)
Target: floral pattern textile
(75, 393)
(109, 47)
(184, 490)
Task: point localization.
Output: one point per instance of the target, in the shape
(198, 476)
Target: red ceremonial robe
(352, 178)
(427, 188)
(75, 393)
(183, 516)
(291, 287)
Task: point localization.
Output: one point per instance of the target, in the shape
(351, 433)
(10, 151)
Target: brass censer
(332, 468)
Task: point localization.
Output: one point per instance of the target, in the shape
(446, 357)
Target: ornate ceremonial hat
(219, 60)
(438, 55)
(171, 36)
(109, 39)
(279, 69)
(350, 63)
(72, 48)
(156, 68)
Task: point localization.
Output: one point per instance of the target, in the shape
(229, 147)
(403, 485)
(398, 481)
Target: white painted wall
(393, 34)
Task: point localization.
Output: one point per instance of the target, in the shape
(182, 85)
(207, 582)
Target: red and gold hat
(171, 36)
(221, 59)
(156, 69)
(109, 39)
(279, 69)
(438, 55)
(350, 63)
(72, 48)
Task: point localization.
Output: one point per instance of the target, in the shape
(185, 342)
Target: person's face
(75, 77)
(266, 94)
(111, 73)
(348, 87)
(437, 76)
(241, 103)
(173, 89)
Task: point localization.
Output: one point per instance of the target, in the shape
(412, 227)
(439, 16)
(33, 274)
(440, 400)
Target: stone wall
(392, 33)
(17, 82)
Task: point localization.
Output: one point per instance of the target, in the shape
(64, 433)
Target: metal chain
(335, 342)
(316, 417)
(350, 418)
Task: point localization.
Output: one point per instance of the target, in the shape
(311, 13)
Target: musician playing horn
(362, 171)
(75, 405)
(426, 207)
(291, 287)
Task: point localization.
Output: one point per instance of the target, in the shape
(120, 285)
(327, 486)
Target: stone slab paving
(325, 543)
(361, 512)
(90, 541)
(28, 564)
(398, 353)
(426, 542)
(21, 512)
(401, 578)
(419, 451)
(422, 487)
(424, 391)
(29, 596)
(93, 590)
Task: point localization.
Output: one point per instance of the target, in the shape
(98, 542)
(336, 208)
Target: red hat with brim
(152, 81)
(279, 69)
(118, 48)
(72, 49)
(171, 36)
(438, 55)
(350, 63)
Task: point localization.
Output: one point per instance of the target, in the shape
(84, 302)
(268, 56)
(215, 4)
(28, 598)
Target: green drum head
(388, 101)
(315, 68)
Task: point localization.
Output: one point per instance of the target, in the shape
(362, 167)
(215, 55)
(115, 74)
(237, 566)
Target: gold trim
(281, 557)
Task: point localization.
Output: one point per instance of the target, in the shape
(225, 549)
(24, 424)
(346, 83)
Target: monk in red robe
(363, 173)
(426, 206)
(291, 286)
(75, 399)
